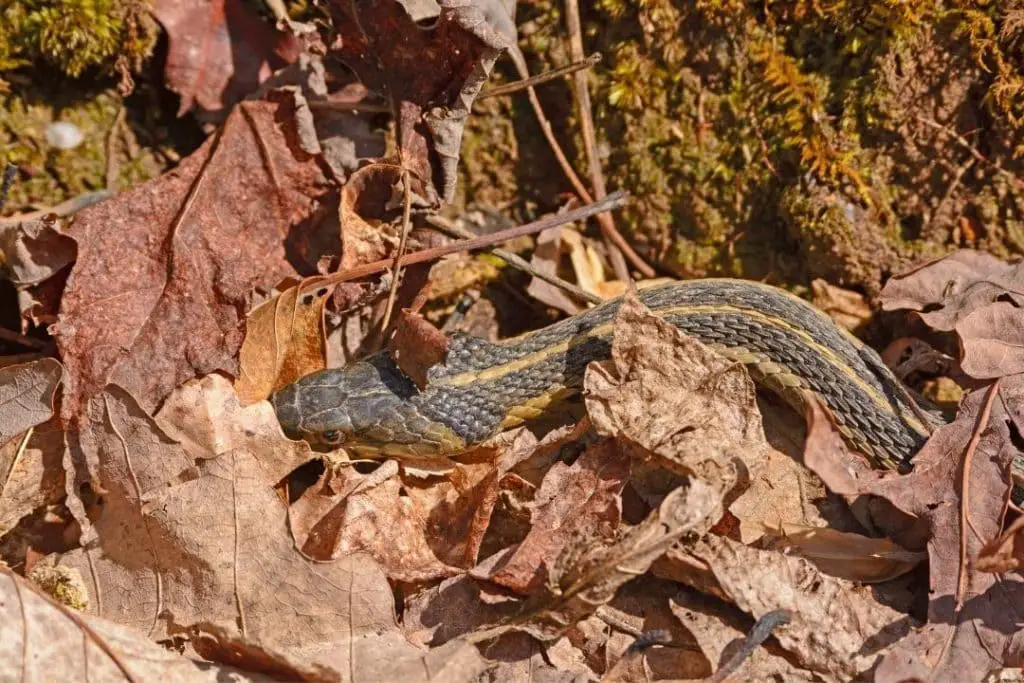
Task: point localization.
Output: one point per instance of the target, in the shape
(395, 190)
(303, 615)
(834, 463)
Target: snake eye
(332, 436)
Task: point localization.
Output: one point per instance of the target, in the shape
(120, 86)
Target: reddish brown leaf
(951, 287)
(165, 270)
(219, 51)
(579, 503)
(1005, 553)
(416, 346)
(432, 74)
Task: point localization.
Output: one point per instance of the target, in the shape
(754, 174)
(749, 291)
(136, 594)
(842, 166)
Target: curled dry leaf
(952, 287)
(181, 540)
(284, 340)
(837, 630)
(41, 640)
(219, 51)
(26, 395)
(676, 399)
(842, 554)
(1004, 553)
(432, 72)
(161, 299)
(33, 251)
(578, 503)
(418, 529)
(371, 196)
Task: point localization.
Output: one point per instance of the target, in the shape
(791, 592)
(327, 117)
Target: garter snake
(789, 347)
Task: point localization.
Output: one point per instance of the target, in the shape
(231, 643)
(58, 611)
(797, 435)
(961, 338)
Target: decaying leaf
(677, 400)
(162, 299)
(416, 346)
(33, 251)
(181, 540)
(1005, 553)
(432, 71)
(418, 529)
(219, 51)
(284, 340)
(835, 631)
(992, 341)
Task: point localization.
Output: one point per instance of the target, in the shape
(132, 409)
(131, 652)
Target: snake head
(366, 407)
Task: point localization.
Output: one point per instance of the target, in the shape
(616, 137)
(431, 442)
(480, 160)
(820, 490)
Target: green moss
(75, 35)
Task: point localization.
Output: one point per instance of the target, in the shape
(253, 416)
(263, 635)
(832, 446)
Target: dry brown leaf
(676, 399)
(219, 51)
(578, 503)
(26, 396)
(992, 341)
(41, 640)
(837, 629)
(952, 287)
(842, 554)
(181, 540)
(720, 631)
(284, 340)
(973, 617)
(418, 529)
(161, 299)
(431, 75)
(826, 453)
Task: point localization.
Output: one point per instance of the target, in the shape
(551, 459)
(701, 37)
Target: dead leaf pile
(156, 522)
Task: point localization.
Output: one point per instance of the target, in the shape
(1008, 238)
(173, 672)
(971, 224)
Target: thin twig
(612, 201)
(582, 91)
(762, 629)
(402, 241)
(607, 227)
(65, 208)
(955, 183)
(17, 456)
(21, 340)
(372, 108)
(540, 79)
(453, 229)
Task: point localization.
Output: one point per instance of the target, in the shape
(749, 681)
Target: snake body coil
(789, 347)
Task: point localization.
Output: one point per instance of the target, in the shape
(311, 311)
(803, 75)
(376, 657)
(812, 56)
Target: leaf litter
(148, 484)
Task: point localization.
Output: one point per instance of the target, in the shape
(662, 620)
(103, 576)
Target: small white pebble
(64, 135)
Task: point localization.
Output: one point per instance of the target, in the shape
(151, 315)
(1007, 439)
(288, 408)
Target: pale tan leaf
(43, 641)
(181, 540)
(31, 476)
(26, 395)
